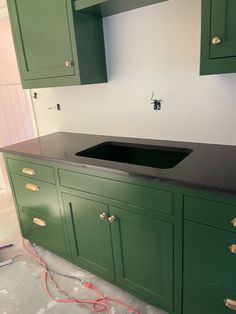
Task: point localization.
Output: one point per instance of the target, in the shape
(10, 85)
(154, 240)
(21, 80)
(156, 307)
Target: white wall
(153, 48)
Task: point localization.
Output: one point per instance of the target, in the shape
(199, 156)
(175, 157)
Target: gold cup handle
(32, 187)
(39, 222)
(230, 304)
(29, 171)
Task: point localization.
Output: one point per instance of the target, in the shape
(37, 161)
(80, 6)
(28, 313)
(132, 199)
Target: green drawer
(207, 254)
(200, 297)
(212, 213)
(43, 201)
(131, 193)
(31, 170)
(43, 231)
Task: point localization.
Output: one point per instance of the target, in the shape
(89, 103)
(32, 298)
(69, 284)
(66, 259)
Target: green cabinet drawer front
(131, 193)
(31, 170)
(90, 236)
(216, 214)
(48, 235)
(223, 25)
(207, 254)
(143, 255)
(43, 201)
(42, 37)
(202, 297)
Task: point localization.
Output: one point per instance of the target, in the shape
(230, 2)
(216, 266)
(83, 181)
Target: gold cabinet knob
(230, 304)
(29, 171)
(216, 41)
(103, 216)
(68, 63)
(39, 222)
(32, 187)
(232, 248)
(112, 219)
(233, 222)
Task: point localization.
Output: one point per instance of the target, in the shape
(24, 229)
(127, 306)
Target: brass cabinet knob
(103, 216)
(39, 222)
(232, 248)
(32, 187)
(68, 63)
(112, 219)
(230, 304)
(216, 41)
(233, 222)
(29, 171)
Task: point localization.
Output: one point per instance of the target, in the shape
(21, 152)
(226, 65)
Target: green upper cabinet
(55, 45)
(218, 51)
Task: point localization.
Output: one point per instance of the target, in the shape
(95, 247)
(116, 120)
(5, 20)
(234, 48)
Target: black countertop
(208, 167)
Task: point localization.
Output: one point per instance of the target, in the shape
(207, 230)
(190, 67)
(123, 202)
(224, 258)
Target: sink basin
(144, 155)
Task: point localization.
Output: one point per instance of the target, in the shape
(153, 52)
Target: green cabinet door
(42, 37)
(218, 52)
(89, 235)
(143, 256)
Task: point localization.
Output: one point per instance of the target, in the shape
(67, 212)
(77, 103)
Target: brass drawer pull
(68, 63)
(232, 248)
(32, 187)
(230, 304)
(233, 222)
(29, 171)
(39, 222)
(103, 216)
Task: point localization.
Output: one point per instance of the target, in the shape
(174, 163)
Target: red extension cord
(101, 304)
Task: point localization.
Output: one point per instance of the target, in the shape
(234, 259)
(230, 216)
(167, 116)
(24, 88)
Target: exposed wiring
(100, 304)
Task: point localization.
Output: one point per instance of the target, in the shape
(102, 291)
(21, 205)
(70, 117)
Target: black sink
(144, 155)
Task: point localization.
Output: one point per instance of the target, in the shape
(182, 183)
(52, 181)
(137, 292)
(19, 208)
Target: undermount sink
(144, 155)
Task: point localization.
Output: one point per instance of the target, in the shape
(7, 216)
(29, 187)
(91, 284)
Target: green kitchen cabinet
(134, 250)
(218, 44)
(55, 45)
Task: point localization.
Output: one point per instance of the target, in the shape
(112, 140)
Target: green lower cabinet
(202, 297)
(133, 250)
(143, 256)
(43, 231)
(89, 235)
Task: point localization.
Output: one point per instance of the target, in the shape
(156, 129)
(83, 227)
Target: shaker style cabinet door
(218, 51)
(223, 29)
(42, 36)
(143, 256)
(89, 232)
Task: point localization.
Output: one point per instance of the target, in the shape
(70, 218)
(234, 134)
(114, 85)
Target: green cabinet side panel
(143, 254)
(218, 20)
(89, 235)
